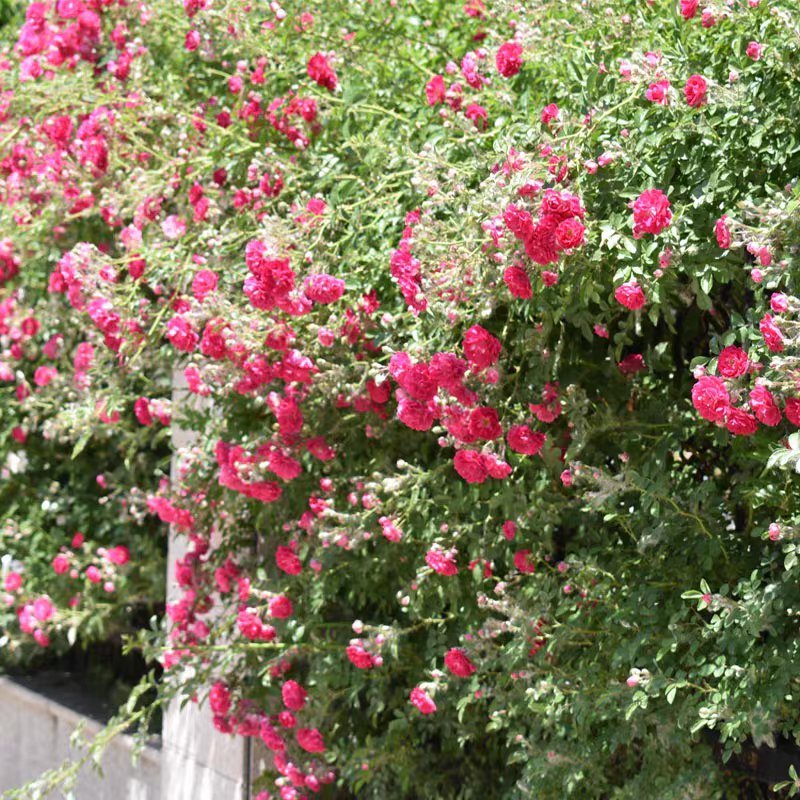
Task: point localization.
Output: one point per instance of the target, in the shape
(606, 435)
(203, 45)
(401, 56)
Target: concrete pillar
(198, 763)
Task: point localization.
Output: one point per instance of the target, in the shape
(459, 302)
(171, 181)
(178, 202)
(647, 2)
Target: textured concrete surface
(34, 737)
(198, 762)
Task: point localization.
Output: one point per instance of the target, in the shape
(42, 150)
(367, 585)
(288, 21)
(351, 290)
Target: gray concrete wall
(34, 737)
(198, 762)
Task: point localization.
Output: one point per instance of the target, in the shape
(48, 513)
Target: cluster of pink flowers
(740, 398)
(440, 389)
(272, 283)
(651, 213)
(509, 59)
(710, 14)
(731, 233)
(557, 228)
(280, 731)
(296, 345)
(659, 90)
(58, 35)
(320, 71)
(79, 569)
(630, 295)
(406, 269)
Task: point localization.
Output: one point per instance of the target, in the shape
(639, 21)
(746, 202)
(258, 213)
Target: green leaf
(81, 444)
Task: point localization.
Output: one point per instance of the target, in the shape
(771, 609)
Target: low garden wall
(36, 737)
(190, 761)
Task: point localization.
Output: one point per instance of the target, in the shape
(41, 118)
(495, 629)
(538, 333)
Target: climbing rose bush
(483, 317)
(72, 511)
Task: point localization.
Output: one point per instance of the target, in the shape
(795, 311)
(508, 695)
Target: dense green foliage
(617, 590)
